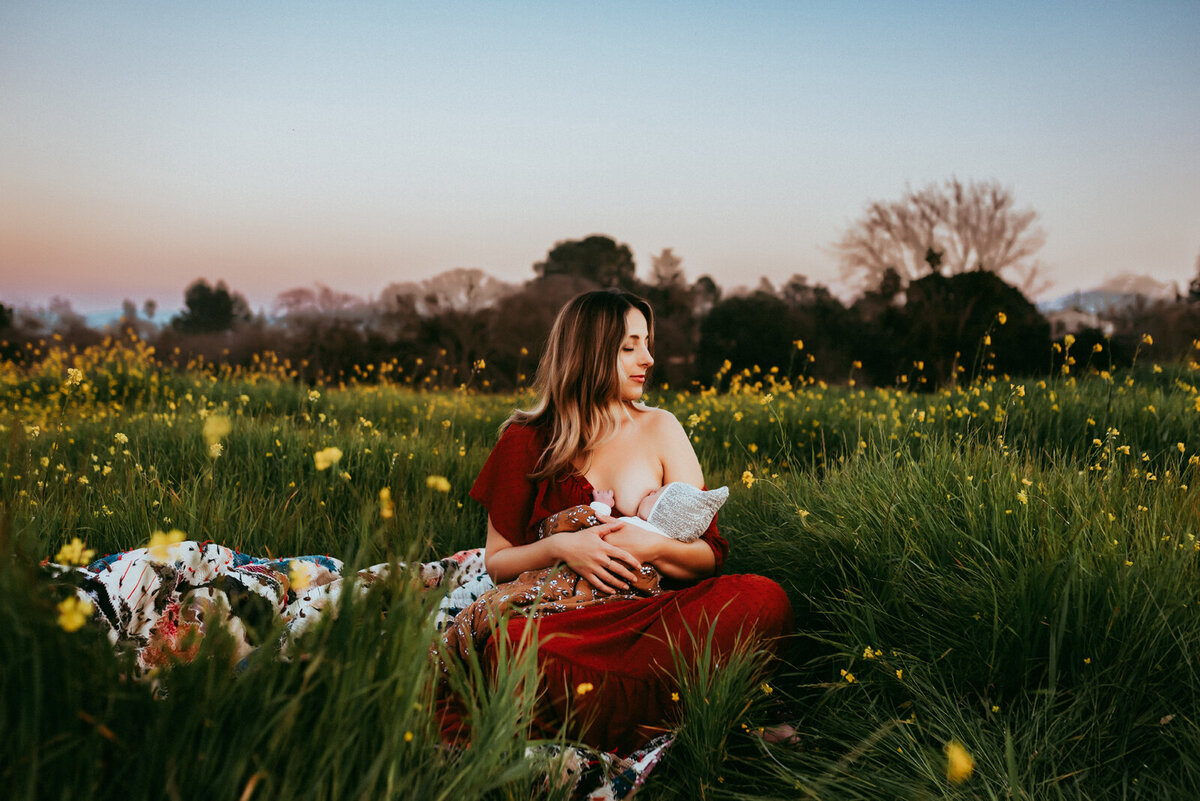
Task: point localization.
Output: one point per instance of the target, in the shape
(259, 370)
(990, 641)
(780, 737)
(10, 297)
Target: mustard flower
(959, 763)
(73, 613)
(327, 457)
(73, 553)
(160, 544)
(439, 483)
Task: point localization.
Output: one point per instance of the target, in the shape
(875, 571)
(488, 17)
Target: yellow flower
(300, 574)
(73, 613)
(900, 674)
(387, 509)
(848, 676)
(693, 420)
(1022, 497)
(675, 697)
(160, 544)
(215, 450)
(959, 764)
(73, 553)
(987, 339)
(1001, 318)
(326, 458)
(408, 736)
(748, 479)
(439, 483)
(752, 447)
(583, 688)
(799, 343)
(766, 688)
(1069, 340)
(1147, 339)
(74, 376)
(313, 396)
(1097, 348)
(121, 438)
(216, 428)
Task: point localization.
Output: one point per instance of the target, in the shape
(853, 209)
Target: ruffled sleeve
(504, 487)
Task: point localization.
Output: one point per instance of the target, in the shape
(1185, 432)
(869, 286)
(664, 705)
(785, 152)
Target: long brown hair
(578, 381)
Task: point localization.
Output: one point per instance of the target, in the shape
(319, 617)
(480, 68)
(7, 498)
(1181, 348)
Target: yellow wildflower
(748, 479)
(900, 674)
(1147, 339)
(326, 458)
(120, 438)
(313, 396)
(73, 553)
(1069, 340)
(1023, 498)
(848, 676)
(160, 544)
(959, 764)
(387, 509)
(300, 574)
(439, 483)
(583, 688)
(408, 736)
(675, 697)
(216, 428)
(766, 688)
(1097, 348)
(74, 376)
(1001, 318)
(73, 613)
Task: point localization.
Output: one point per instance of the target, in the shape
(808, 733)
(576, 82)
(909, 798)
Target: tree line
(934, 308)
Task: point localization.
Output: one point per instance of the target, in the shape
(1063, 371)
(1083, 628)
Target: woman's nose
(647, 359)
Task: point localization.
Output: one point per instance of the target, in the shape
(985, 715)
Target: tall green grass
(1012, 565)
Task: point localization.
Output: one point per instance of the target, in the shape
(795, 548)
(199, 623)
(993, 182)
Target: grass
(1009, 564)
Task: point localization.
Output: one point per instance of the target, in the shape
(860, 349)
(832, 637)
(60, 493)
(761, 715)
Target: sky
(352, 144)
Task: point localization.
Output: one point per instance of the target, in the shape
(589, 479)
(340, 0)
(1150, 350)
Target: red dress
(620, 648)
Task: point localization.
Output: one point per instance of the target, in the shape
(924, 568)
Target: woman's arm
(605, 565)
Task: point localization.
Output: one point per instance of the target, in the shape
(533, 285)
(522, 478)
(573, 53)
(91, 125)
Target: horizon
(279, 146)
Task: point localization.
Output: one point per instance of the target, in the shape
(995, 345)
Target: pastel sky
(277, 144)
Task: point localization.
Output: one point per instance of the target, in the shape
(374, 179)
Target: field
(1010, 567)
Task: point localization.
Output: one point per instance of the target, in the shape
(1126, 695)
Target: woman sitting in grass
(588, 429)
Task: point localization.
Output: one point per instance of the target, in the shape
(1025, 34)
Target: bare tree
(667, 269)
(949, 228)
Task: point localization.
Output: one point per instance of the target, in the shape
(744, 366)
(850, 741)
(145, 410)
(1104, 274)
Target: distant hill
(1114, 294)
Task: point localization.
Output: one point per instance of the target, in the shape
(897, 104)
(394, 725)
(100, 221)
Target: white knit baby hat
(683, 512)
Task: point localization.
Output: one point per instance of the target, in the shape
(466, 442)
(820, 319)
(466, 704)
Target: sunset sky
(144, 145)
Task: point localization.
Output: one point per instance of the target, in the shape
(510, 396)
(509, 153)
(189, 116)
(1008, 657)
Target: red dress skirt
(620, 648)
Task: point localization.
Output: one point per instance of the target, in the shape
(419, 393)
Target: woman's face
(634, 359)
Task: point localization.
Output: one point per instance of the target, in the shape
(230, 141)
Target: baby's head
(682, 511)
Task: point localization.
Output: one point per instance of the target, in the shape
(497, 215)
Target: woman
(608, 667)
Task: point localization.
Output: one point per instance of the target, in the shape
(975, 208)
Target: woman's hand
(606, 566)
(643, 545)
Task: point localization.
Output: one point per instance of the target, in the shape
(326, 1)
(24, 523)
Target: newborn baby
(677, 510)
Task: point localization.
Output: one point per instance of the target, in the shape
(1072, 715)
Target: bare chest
(628, 465)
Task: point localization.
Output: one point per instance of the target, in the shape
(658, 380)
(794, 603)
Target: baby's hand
(606, 497)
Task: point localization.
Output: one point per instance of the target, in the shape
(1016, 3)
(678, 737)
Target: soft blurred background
(359, 159)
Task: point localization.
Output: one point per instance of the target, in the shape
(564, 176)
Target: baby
(677, 510)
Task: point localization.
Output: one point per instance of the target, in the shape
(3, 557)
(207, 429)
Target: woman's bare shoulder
(673, 446)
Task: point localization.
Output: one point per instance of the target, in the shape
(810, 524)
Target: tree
(667, 269)
(596, 258)
(948, 229)
(1193, 295)
(208, 309)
